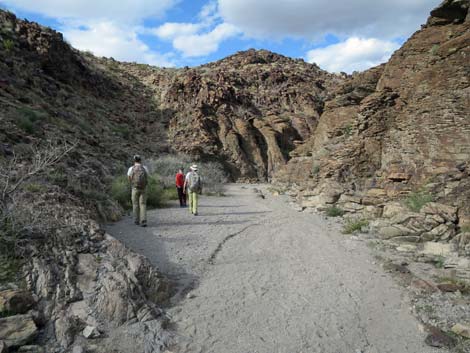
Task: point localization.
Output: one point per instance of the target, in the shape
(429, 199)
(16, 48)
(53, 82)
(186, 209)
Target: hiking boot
(195, 213)
(144, 224)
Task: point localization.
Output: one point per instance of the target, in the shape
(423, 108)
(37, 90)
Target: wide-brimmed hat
(193, 167)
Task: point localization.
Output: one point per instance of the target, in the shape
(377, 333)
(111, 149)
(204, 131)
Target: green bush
(354, 225)
(28, 118)
(212, 173)
(121, 192)
(170, 193)
(416, 200)
(334, 211)
(8, 44)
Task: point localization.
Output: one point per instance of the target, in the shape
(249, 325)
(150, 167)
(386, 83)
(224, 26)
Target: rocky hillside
(248, 110)
(400, 131)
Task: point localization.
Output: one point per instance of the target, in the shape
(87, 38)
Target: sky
(338, 35)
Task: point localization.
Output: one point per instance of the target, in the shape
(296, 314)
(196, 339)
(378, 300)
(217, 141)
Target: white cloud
(354, 54)
(172, 30)
(314, 18)
(121, 43)
(197, 39)
(127, 11)
(206, 43)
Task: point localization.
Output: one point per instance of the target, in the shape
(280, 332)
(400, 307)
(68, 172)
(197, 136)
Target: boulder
(394, 231)
(17, 330)
(449, 213)
(15, 302)
(393, 209)
(461, 330)
(437, 249)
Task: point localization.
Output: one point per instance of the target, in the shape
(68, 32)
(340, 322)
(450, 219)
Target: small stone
(191, 296)
(438, 338)
(78, 349)
(461, 330)
(31, 349)
(91, 332)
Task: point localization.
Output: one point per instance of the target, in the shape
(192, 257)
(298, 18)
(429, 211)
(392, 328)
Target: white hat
(193, 167)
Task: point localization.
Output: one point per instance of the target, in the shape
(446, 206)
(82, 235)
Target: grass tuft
(334, 211)
(354, 225)
(416, 200)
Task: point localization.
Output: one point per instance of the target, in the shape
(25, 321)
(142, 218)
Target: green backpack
(194, 183)
(139, 177)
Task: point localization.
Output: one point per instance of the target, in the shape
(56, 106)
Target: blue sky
(338, 35)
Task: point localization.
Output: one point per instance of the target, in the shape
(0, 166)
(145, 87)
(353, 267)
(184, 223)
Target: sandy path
(255, 276)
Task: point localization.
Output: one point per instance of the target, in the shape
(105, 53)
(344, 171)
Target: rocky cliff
(397, 128)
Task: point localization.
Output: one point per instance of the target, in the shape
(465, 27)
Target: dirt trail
(255, 276)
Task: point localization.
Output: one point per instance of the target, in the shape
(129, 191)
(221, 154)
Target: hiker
(179, 179)
(193, 185)
(138, 178)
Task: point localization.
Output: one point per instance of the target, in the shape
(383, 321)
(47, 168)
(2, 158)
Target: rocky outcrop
(395, 129)
(249, 110)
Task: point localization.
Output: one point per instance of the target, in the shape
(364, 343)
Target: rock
(423, 286)
(407, 239)
(389, 232)
(15, 302)
(17, 330)
(3, 347)
(437, 249)
(91, 332)
(449, 287)
(461, 330)
(393, 209)
(407, 248)
(449, 213)
(78, 349)
(31, 349)
(438, 338)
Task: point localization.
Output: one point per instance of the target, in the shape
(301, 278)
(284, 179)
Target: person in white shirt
(138, 178)
(193, 185)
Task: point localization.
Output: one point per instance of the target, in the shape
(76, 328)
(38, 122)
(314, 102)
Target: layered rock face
(396, 128)
(248, 110)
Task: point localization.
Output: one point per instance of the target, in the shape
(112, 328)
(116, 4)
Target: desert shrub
(28, 118)
(315, 169)
(354, 225)
(121, 130)
(416, 200)
(212, 173)
(170, 193)
(347, 130)
(121, 192)
(465, 229)
(8, 44)
(334, 211)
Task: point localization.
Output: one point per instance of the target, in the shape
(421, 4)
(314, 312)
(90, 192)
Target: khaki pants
(193, 196)
(139, 205)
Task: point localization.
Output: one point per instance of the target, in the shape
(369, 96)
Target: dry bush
(17, 220)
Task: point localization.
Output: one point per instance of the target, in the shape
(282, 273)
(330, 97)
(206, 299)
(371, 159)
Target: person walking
(138, 178)
(179, 179)
(193, 185)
